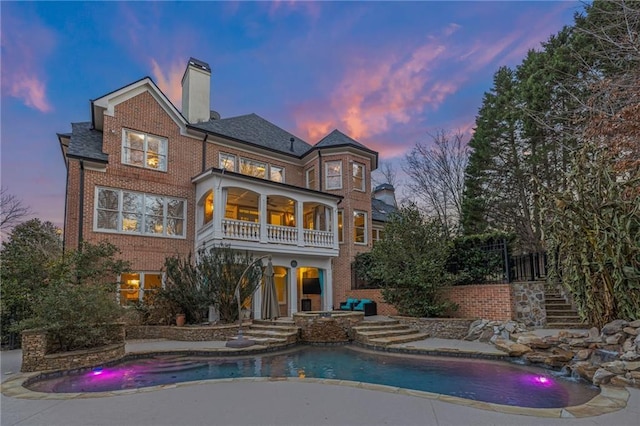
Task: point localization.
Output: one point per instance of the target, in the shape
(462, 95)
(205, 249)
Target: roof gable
(107, 103)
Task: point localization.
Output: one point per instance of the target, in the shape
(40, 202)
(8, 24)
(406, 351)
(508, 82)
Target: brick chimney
(196, 91)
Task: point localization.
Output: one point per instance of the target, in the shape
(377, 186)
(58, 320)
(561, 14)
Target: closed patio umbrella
(269, 297)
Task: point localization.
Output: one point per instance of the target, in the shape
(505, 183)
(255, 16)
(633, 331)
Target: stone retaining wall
(35, 346)
(186, 334)
(528, 301)
(336, 327)
(444, 328)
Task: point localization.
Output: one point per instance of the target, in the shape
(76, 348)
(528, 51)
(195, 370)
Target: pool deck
(291, 401)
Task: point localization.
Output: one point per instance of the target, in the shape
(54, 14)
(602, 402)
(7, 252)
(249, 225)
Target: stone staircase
(280, 332)
(385, 333)
(560, 314)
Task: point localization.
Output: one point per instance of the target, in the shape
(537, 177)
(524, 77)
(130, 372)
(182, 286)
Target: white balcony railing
(318, 238)
(241, 230)
(282, 234)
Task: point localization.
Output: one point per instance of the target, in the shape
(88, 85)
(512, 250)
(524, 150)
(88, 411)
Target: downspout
(81, 207)
(66, 196)
(204, 152)
(320, 171)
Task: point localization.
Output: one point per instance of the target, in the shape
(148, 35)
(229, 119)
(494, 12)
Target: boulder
(486, 335)
(584, 370)
(583, 354)
(502, 344)
(536, 357)
(635, 324)
(630, 356)
(614, 327)
(630, 331)
(594, 333)
(635, 375)
(628, 345)
(602, 376)
(616, 367)
(578, 343)
(614, 339)
(517, 349)
(632, 365)
(556, 360)
(620, 381)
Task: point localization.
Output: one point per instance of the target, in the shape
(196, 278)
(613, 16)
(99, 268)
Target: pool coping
(610, 399)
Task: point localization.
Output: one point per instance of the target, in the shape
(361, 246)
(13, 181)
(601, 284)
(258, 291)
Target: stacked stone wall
(529, 306)
(318, 328)
(185, 334)
(444, 328)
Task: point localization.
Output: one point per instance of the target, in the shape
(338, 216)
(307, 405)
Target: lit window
(334, 174)
(358, 176)
(359, 227)
(138, 287)
(377, 235)
(340, 226)
(228, 162)
(138, 213)
(311, 178)
(276, 173)
(253, 168)
(208, 208)
(144, 150)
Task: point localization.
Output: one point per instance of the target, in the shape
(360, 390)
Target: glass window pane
(107, 220)
(135, 140)
(153, 224)
(129, 288)
(175, 226)
(132, 202)
(131, 222)
(107, 199)
(154, 205)
(277, 174)
(152, 281)
(228, 162)
(175, 208)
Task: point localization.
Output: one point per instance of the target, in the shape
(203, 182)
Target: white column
(328, 287)
(334, 228)
(293, 291)
(300, 222)
(263, 218)
(219, 206)
(257, 303)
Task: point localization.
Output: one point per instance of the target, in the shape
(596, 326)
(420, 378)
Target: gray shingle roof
(380, 211)
(337, 138)
(256, 130)
(86, 142)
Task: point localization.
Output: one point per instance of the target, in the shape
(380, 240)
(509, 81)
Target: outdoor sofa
(367, 306)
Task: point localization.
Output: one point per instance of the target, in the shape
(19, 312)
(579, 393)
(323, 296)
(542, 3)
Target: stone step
(558, 305)
(367, 327)
(555, 300)
(561, 313)
(566, 325)
(366, 336)
(283, 328)
(372, 323)
(267, 341)
(392, 340)
(287, 322)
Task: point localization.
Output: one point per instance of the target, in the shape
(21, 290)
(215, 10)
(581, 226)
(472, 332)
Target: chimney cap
(384, 186)
(199, 64)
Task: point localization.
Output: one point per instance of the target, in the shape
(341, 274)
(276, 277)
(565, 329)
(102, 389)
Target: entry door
(281, 279)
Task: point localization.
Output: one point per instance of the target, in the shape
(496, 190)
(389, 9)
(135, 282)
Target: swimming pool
(482, 380)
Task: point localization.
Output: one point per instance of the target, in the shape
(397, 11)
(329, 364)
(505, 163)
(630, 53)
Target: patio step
(366, 336)
(378, 327)
(393, 340)
(272, 332)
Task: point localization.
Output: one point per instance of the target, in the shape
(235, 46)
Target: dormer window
(144, 150)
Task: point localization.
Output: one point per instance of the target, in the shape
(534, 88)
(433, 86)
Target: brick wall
(490, 301)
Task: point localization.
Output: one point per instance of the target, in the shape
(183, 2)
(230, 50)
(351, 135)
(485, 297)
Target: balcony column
(219, 206)
(262, 207)
(334, 227)
(293, 289)
(300, 222)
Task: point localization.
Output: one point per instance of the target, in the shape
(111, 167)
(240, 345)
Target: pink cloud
(23, 55)
(169, 78)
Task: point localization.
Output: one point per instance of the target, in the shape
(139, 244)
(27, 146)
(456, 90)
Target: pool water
(482, 380)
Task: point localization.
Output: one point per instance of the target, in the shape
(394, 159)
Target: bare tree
(436, 175)
(387, 173)
(12, 210)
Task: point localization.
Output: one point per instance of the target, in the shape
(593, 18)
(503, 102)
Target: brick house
(156, 181)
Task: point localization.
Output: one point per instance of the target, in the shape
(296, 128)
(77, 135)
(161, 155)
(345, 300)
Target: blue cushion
(352, 301)
(366, 301)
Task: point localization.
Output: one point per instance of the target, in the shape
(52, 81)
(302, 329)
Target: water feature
(482, 380)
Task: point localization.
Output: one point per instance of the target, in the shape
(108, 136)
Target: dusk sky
(385, 73)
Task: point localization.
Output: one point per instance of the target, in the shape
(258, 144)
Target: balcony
(259, 215)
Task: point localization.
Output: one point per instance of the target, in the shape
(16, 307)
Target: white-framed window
(358, 176)
(138, 287)
(340, 226)
(359, 227)
(276, 173)
(228, 162)
(206, 207)
(310, 178)
(144, 150)
(137, 213)
(333, 172)
(376, 234)
(253, 168)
